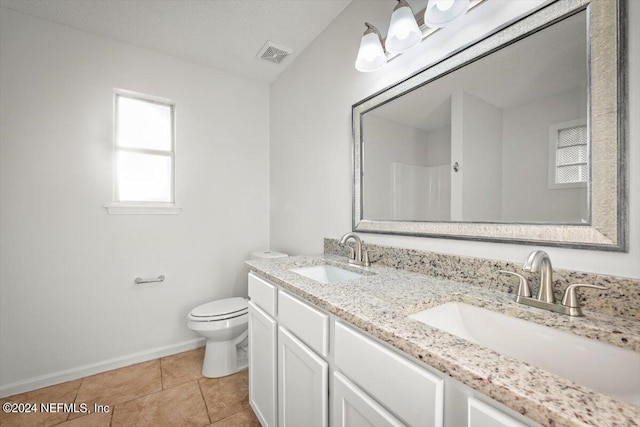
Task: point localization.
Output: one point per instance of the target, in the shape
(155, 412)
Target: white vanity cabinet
(412, 393)
(467, 407)
(303, 375)
(481, 414)
(300, 357)
(305, 321)
(288, 377)
(263, 330)
(262, 365)
(353, 407)
(303, 390)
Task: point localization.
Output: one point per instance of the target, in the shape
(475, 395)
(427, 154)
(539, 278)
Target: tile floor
(169, 391)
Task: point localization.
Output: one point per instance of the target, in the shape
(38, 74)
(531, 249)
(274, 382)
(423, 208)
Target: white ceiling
(223, 34)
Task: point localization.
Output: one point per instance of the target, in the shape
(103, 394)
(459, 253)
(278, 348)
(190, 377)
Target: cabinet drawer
(409, 391)
(263, 294)
(309, 324)
(482, 414)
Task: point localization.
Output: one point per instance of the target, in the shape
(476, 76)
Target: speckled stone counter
(380, 303)
(621, 299)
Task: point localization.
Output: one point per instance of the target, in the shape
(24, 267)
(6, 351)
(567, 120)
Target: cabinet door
(482, 415)
(302, 384)
(413, 394)
(262, 365)
(354, 408)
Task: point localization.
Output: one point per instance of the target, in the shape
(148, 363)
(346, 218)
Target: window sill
(142, 210)
(556, 186)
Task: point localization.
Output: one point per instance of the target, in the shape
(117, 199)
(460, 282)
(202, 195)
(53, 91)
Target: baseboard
(96, 368)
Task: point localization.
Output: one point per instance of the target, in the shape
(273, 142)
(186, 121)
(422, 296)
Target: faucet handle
(523, 286)
(570, 298)
(352, 252)
(365, 257)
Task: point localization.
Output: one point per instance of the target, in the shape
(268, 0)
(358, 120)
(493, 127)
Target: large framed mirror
(519, 137)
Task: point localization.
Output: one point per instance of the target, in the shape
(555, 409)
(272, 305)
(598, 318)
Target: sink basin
(602, 367)
(326, 273)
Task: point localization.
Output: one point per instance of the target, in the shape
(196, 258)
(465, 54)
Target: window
(568, 154)
(144, 155)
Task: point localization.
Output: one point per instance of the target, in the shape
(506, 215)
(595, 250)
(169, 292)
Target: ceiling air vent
(273, 52)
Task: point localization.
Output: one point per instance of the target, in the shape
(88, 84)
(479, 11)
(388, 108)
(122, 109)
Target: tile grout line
(149, 394)
(235, 413)
(75, 397)
(161, 376)
(134, 398)
(157, 392)
(111, 417)
(68, 415)
(206, 407)
(112, 410)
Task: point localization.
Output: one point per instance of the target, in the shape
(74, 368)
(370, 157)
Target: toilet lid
(224, 308)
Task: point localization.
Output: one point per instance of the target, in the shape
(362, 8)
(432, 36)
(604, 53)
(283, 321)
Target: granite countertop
(380, 303)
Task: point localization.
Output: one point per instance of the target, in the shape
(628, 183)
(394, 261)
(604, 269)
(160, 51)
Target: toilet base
(222, 358)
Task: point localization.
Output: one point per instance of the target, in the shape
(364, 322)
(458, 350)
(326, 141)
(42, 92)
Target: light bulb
(444, 5)
(403, 33)
(403, 29)
(440, 13)
(371, 55)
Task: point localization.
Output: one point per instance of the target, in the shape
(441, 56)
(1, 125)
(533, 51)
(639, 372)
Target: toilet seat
(219, 310)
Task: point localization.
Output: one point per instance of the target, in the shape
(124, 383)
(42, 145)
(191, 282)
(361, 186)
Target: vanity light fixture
(407, 29)
(403, 29)
(440, 13)
(371, 56)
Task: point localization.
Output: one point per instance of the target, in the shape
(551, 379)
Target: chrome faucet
(359, 256)
(540, 261)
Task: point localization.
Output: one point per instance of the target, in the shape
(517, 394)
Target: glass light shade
(371, 55)
(403, 30)
(440, 13)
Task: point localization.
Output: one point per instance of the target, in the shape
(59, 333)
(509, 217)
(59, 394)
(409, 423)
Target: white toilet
(224, 323)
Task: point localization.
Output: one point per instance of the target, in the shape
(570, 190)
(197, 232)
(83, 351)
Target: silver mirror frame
(607, 121)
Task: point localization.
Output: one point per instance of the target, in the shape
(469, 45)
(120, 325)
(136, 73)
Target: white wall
(67, 298)
(479, 144)
(439, 160)
(386, 142)
(525, 193)
(310, 143)
(439, 146)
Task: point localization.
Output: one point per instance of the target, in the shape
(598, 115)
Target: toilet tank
(267, 254)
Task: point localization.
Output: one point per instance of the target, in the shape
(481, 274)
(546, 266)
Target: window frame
(141, 206)
(553, 153)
